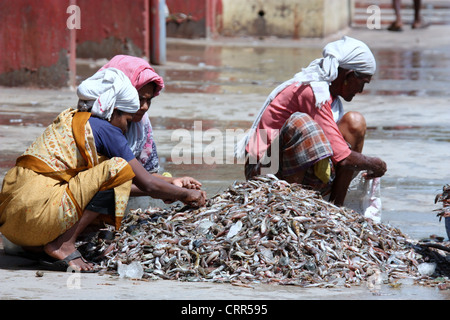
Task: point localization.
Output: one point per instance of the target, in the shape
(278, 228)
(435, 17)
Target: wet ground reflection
(402, 133)
(257, 70)
(240, 69)
(234, 69)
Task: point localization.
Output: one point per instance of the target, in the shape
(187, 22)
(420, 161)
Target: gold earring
(345, 82)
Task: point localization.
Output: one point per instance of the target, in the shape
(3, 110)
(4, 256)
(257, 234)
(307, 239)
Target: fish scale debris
(263, 230)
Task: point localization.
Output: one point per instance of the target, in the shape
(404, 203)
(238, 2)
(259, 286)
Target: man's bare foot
(62, 250)
(420, 25)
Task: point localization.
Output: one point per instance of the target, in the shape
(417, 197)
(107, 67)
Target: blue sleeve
(109, 140)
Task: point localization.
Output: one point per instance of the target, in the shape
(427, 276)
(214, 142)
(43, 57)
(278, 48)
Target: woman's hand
(187, 182)
(195, 198)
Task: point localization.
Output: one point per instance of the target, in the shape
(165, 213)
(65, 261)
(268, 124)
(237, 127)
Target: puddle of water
(253, 70)
(228, 69)
(26, 119)
(214, 69)
(423, 133)
(167, 123)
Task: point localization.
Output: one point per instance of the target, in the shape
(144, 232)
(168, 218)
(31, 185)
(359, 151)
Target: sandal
(63, 264)
(395, 27)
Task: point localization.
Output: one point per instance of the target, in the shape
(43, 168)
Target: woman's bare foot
(64, 246)
(60, 250)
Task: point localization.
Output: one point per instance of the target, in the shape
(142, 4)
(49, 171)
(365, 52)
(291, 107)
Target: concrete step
(436, 4)
(435, 12)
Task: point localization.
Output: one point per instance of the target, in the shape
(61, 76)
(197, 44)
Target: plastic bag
(372, 200)
(364, 196)
(133, 270)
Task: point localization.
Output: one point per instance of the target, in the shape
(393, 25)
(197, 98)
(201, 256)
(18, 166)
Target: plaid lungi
(301, 144)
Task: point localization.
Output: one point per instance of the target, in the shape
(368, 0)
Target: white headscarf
(105, 91)
(347, 53)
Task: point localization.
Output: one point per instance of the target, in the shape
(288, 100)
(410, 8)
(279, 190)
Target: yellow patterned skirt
(45, 194)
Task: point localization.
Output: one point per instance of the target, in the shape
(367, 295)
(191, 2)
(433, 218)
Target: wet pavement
(220, 86)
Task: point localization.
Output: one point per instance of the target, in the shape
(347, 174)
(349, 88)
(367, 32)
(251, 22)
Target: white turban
(105, 91)
(347, 53)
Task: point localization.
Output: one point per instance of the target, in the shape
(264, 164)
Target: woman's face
(121, 120)
(354, 83)
(146, 94)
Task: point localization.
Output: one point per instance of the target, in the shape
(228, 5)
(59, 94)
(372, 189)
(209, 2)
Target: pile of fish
(260, 231)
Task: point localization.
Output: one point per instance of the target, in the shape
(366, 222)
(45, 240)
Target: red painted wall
(37, 48)
(195, 8)
(113, 27)
(194, 18)
(34, 42)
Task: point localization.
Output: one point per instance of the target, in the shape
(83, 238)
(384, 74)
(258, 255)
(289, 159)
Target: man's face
(353, 84)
